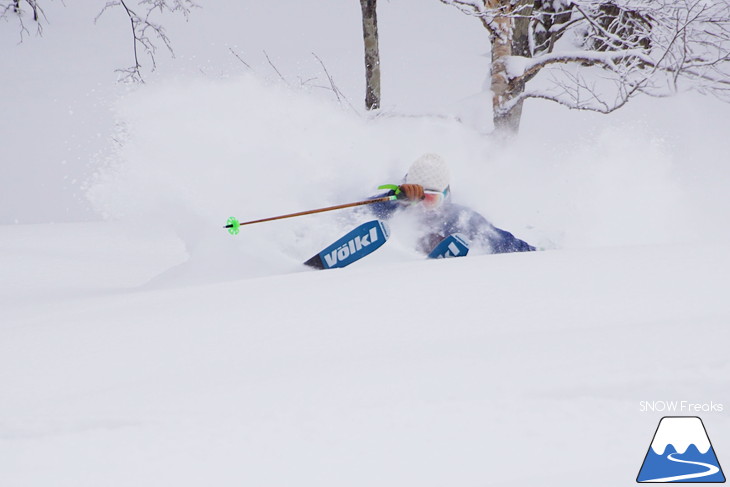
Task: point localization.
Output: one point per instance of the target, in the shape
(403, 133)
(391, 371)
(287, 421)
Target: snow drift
(193, 153)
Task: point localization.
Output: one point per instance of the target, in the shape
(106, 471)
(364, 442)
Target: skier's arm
(405, 192)
(385, 209)
(498, 241)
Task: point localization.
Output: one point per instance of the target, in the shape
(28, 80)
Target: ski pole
(233, 224)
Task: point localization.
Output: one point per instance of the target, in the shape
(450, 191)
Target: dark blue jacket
(451, 218)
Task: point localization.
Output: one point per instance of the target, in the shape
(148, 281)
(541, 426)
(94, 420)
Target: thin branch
(338, 93)
(132, 16)
(335, 90)
(275, 68)
(239, 58)
(14, 8)
(143, 27)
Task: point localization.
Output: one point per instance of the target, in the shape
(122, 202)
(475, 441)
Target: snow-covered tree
(372, 53)
(596, 55)
(140, 14)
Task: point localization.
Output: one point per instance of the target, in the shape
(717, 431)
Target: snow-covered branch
(525, 68)
(478, 9)
(580, 94)
(657, 47)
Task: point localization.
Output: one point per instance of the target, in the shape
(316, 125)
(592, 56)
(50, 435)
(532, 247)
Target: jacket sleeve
(385, 209)
(484, 234)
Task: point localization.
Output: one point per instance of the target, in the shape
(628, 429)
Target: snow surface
(146, 346)
(479, 371)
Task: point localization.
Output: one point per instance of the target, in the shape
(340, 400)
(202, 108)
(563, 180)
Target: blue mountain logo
(681, 452)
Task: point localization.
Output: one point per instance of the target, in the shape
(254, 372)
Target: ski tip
(315, 262)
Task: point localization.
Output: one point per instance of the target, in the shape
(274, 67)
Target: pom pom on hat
(430, 171)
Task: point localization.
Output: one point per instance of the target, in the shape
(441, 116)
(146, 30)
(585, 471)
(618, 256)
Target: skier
(445, 228)
(427, 197)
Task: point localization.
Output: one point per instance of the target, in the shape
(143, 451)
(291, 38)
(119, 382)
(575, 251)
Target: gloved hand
(411, 192)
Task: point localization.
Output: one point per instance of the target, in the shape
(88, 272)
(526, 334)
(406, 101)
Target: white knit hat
(430, 171)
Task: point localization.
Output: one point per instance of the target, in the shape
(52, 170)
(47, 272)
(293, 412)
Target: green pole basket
(233, 226)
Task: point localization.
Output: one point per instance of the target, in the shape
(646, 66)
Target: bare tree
(372, 54)
(596, 55)
(140, 13)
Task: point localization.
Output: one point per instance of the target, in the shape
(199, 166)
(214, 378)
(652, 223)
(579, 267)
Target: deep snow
(152, 348)
(489, 370)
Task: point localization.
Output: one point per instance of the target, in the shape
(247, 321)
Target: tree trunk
(522, 10)
(510, 38)
(372, 54)
(501, 51)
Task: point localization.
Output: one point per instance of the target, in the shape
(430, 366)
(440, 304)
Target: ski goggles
(434, 199)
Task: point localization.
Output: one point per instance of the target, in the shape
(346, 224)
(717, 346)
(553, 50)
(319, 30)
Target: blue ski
(455, 245)
(354, 246)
